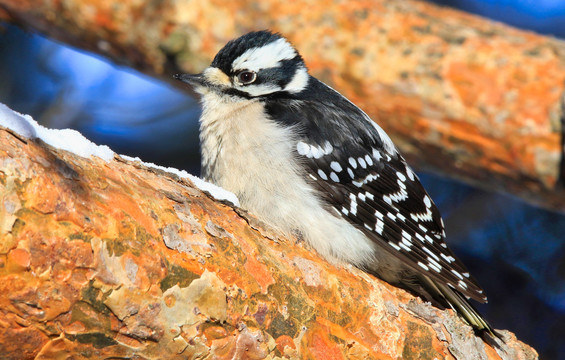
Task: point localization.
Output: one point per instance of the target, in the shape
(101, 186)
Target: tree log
(460, 95)
(116, 260)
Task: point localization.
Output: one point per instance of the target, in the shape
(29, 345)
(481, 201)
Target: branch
(113, 259)
(460, 95)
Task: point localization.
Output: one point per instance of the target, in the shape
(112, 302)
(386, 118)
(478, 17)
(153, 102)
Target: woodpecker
(306, 160)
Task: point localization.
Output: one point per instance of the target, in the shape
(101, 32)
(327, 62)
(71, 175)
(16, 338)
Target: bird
(305, 160)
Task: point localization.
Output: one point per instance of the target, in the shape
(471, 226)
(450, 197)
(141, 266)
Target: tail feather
(451, 298)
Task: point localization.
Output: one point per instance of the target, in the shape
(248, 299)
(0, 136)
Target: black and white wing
(381, 195)
(362, 176)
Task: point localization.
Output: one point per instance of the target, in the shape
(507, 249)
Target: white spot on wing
(353, 207)
(428, 216)
(316, 152)
(401, 176)
(410, 173)
(377, 155)
(334, 177)
(430, 253)
(353, 163)
(336, 166)
(404, 246)
(401, 184)
(302, 148)
(362, 162)
(399, 196)
(449, 259)
(435, 267)
(407, 244)
(434, 264)
(457, 274)
(322, 174)
(379, 227)
(423, 266)
(406, 235)
(328, 148)
(366, 180)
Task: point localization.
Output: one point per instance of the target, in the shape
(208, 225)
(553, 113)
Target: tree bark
(460, 95)
(115, 260)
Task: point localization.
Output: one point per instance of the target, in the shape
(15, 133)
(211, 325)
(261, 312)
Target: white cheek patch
(299, 81)
(264, 57)
(258, 90)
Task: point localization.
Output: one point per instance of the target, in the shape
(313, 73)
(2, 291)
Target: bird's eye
(246, 77)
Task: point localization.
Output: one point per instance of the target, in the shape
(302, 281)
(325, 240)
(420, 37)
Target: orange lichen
(18, 260)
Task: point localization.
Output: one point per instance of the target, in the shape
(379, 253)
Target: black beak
(191, 79)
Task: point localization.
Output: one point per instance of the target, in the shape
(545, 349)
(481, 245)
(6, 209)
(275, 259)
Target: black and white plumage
(303, 158)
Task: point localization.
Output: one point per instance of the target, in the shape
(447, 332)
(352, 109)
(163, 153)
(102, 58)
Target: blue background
(517, 252)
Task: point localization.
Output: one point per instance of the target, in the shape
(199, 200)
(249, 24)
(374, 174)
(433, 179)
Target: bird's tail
(450, 298)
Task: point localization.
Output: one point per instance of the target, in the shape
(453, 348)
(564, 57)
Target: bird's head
(254, 65)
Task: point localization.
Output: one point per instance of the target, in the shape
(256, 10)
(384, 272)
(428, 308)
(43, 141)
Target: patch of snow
(17, 122)
(66, 139)
(75, 142)
(217, 192)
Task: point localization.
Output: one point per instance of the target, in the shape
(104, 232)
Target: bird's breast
(247, 153)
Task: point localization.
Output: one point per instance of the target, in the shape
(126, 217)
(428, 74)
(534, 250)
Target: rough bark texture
(460, 95)
(111, 260)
